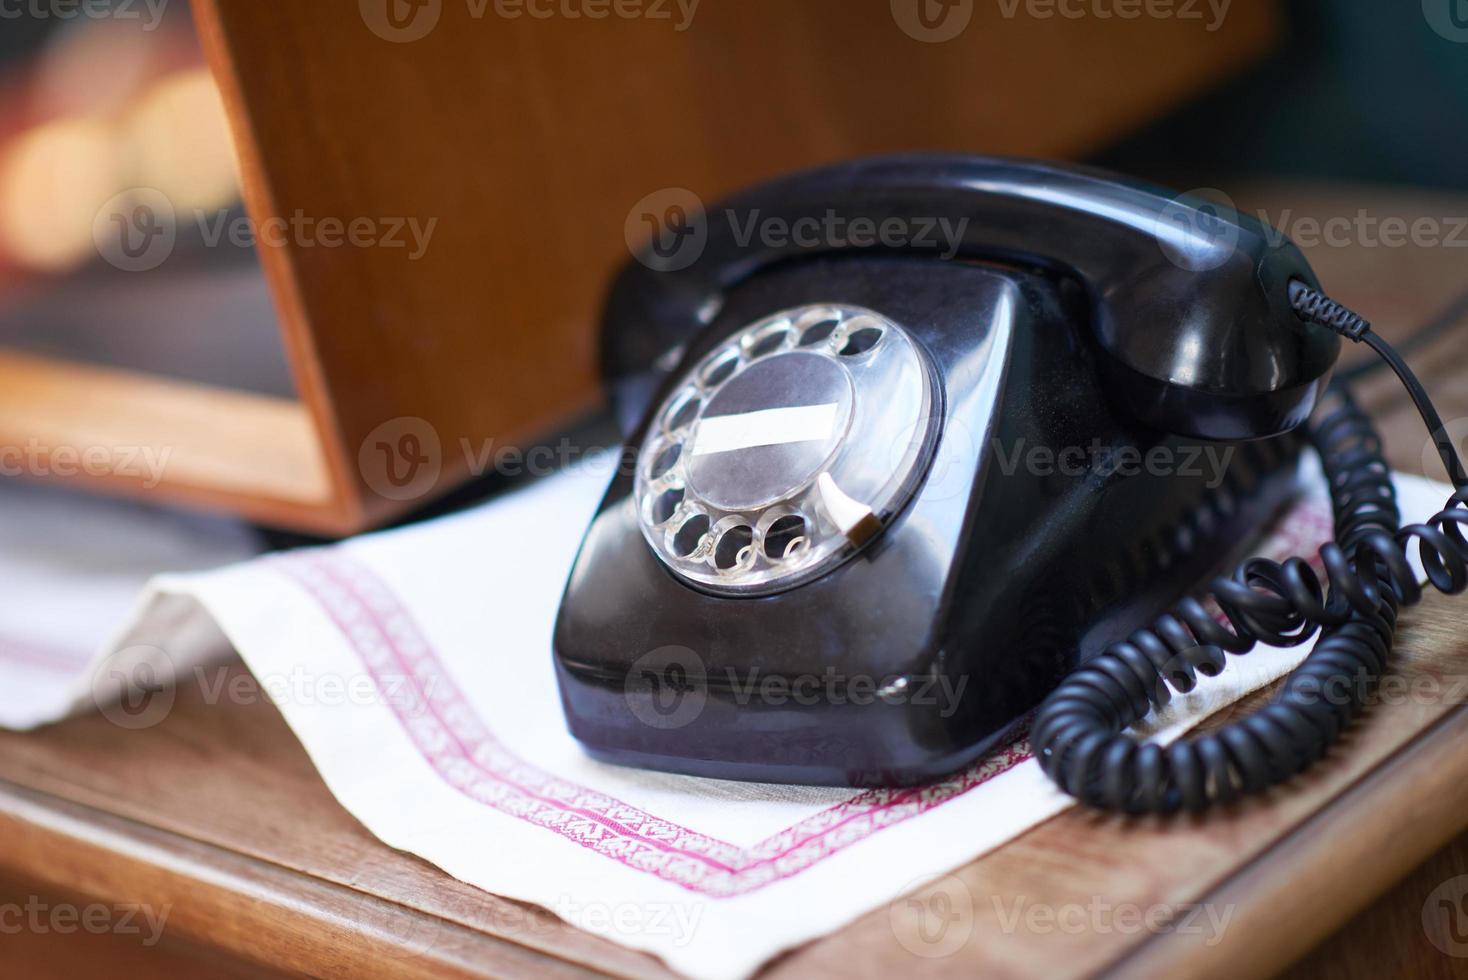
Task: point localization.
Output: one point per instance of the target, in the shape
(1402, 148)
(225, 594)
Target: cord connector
(1314, 306)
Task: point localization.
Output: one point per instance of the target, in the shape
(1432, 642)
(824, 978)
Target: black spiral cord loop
(1079, 732)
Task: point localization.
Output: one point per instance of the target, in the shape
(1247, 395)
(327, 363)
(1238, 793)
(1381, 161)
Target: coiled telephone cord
(1079, 734)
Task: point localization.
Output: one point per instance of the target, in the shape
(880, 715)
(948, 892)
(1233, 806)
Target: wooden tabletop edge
(1329, 868)
(331, 929)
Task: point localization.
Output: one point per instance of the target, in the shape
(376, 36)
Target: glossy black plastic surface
(930, 646)
(1189, 298)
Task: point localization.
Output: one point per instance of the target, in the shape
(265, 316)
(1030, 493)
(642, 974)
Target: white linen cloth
(415, 667)
(73, 566)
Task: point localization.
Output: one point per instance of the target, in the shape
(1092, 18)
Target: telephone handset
(1192, 303)
(883, 501)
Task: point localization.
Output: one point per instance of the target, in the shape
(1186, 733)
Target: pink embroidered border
(461, 749)
(54, 660)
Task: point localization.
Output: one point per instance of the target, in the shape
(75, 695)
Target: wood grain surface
(536, 145)
(218, 814)
(249, 453)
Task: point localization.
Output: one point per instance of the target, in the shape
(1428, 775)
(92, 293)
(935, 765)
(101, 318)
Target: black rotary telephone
(887, 491)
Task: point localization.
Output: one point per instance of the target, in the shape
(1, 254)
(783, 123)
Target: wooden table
(218, 815)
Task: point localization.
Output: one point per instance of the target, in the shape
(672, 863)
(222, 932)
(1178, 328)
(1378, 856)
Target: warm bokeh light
(53, 180)
(107, 109)
(178, 142)
(93, 67)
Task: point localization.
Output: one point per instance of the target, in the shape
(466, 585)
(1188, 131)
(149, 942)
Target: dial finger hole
(819, 332)
(665, 460)
(735, 548)
(769, 340)
(860, 341)
(690, 535)
(665, 505)
(786, 538)
(683, 411)
(720, 368)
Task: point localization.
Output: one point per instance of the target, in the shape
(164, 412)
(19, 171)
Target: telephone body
(879, 502)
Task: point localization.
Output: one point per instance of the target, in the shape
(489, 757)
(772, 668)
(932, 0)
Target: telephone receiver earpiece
(1190, 298)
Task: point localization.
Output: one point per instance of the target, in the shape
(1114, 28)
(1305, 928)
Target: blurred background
(93, 105)
(526, 144)
(1352, 90)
